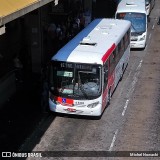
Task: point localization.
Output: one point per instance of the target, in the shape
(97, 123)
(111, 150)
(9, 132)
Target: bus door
(105, 84)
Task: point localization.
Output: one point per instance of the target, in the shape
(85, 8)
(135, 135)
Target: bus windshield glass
(73, 80)
(138, 21)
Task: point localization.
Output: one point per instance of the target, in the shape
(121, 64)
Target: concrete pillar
(34, 40)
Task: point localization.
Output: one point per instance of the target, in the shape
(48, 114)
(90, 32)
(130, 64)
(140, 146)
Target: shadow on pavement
(20, 116)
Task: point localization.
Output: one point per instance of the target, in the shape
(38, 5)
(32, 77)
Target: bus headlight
(53, 98)
(142, 38)
(92, 105)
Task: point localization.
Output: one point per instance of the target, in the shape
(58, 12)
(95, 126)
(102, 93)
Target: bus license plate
(71, 109)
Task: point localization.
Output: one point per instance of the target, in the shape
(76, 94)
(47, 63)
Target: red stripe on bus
(67, 101)
(109, 51)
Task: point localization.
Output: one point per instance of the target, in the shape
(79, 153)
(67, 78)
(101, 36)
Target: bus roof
(94, 43)
(132, 6)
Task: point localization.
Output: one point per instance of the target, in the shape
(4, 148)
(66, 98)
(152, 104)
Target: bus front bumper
(96, 111)
(138, 44)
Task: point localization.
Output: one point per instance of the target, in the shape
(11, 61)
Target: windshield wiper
(134, 28)
(137, 31)
(83, 91)
(81, 87)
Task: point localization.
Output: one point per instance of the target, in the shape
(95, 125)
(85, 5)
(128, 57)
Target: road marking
(113, 140)
(125, 107)
(139, 66)
(146, 47)
(135, 79)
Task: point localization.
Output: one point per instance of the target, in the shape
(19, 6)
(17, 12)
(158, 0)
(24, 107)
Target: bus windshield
(138, 21)
(77, 81)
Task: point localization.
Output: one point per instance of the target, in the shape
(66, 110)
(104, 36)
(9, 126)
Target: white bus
(85, 72)
(135, 12)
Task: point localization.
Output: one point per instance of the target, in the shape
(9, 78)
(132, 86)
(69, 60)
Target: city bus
(135, 12)
(84, 73)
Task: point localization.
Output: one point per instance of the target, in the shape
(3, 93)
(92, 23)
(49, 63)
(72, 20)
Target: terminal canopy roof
(12, 9)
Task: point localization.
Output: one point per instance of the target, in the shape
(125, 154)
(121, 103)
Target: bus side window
(105, 75)
(124, 43)
(129, 34)
(122, 46)
(126, 39)
(119, 50)
(117, 54)
(114, 55)
(112, 61)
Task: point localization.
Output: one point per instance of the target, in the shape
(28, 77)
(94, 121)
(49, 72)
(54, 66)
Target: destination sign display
(78, 66)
